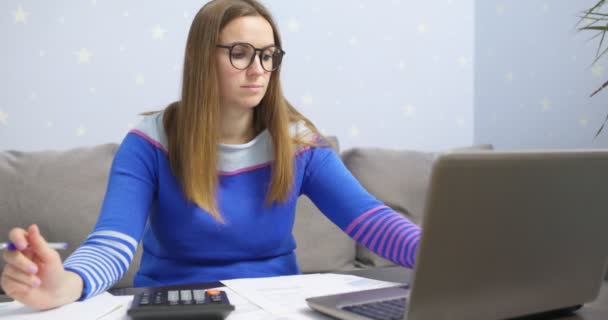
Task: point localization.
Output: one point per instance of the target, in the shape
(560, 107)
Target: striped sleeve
(386, 233)
(104, 257)
(334, 190)
(101, 260)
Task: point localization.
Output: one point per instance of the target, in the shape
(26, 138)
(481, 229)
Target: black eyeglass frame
(280, 52)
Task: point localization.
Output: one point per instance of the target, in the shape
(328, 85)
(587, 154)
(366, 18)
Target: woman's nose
(256, 67)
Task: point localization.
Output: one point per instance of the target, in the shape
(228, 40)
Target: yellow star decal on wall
(3, 118)
(546, 104)
(158, 32)
(21, 15)
(84, 56)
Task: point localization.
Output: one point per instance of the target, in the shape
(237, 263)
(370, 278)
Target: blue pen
(54, 245)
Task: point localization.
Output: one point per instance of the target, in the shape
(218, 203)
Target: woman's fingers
(19, 261)
(17, 276)
(14, 289)
(18, 237)
(40, 246)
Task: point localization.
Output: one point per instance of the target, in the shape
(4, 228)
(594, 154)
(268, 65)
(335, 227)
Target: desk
(596, 310)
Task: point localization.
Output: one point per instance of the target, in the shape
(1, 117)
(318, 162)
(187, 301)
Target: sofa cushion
(61, 191)
(321, 245)
(399, 178)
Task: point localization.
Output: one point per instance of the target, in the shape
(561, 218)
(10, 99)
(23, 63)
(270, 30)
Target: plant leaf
(599, 89)
(600, 28)
(590, 11)
(601, 128)
(596, 14)
(595, 36)
(601, 42)
(598, 57)
(596, 19)
(597, 5)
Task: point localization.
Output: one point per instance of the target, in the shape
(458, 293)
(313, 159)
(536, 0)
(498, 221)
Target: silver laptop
(505, 234)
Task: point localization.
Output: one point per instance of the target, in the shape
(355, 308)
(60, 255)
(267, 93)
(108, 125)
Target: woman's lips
(253, 88)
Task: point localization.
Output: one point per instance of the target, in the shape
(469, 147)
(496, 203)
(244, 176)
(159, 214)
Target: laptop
(505, 235)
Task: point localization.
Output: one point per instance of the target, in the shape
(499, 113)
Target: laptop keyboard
(393, 309)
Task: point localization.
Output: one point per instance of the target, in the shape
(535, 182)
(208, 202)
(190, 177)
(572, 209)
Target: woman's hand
(34, 274)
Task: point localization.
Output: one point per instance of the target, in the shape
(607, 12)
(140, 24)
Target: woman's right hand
(34, 274)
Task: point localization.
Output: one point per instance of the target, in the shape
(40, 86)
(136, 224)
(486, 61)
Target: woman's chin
(243, 102)
(250, 103)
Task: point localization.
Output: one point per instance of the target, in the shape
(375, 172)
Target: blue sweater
(182, 243)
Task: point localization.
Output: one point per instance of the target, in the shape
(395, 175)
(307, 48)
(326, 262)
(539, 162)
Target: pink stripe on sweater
(365, 226)
(402, 240)
(412, 256)
(149, 139)
(376, 225)
(301, 150)
(387, 234)
(362, 217)
(390, 248)
(388, 224)
(407, 250)
(396, 244)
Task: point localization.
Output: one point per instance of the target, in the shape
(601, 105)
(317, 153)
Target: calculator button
(186, 296)
(173, 297)
(157, 297)
(199, 296)
(145, 299)
(214, 295)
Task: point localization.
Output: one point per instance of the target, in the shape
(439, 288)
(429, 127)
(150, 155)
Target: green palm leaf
(596, 22)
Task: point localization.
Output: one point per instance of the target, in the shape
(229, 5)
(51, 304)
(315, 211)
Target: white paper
(246, 310)
(285, 296)
(101, 307)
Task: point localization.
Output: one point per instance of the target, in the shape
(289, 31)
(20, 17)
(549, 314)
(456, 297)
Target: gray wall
(533, 76)
(385, 73)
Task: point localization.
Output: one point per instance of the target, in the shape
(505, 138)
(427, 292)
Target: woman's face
(243, 88)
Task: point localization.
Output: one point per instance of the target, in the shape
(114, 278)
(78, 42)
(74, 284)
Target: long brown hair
(192, 124)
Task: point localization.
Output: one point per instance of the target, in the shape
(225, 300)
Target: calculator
(211, 304)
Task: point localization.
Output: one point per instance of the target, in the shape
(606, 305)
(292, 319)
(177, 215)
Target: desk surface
(596, 310)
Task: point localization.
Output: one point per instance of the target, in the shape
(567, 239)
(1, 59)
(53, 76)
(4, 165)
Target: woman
(211, 182)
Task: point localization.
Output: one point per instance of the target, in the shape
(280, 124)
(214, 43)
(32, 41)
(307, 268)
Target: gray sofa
(62, 192)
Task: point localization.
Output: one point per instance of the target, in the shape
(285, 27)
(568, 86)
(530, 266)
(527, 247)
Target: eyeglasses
(242, 55)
